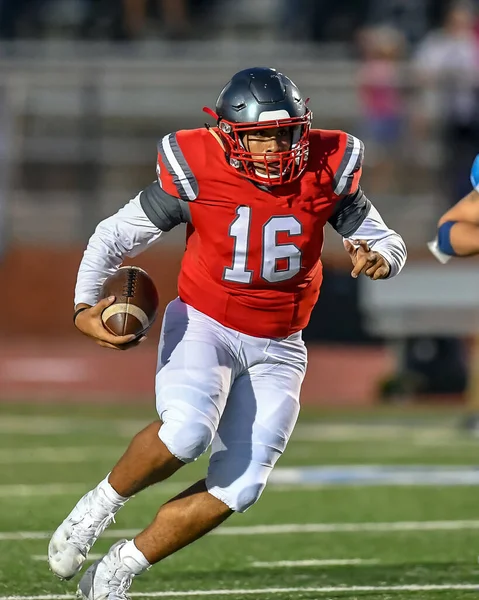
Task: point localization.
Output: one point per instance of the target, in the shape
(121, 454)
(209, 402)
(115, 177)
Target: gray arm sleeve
(350, 212)
(163, 210)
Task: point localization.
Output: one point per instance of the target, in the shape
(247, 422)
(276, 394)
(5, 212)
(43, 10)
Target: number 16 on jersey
(272, 251)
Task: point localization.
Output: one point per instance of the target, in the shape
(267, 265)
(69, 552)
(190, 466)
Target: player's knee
(186, 441)
(186, 433)
(241, 493)
(248, 496)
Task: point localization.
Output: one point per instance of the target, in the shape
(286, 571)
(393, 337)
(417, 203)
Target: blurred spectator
(174, 14)
(103, 19)
(337, 21)
(4, 171)
(178, 17)
(382, 103)
(296, 19)
(11, 14)
(447, 64)
(411, 18)
(323, 20)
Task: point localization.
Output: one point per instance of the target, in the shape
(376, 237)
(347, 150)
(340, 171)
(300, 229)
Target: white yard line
(15, 490)
(313, 432)
(369, 432)
(60, 454)
(285, 479)
(375, 475)
(59, 489)
(38, 425)
(282, 529)
(44, 557)
(42, 489)
(79, 454)
(330, 562)
(445, 587)
(348, 527)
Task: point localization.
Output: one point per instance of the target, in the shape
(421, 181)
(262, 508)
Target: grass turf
(78, 445)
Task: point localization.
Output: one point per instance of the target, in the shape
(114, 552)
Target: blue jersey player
(458, 228)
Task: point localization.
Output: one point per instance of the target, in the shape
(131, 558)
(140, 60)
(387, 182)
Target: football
(136, 301)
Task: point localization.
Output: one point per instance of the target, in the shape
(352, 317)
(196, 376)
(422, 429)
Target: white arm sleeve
(382, 239)
(126, 233)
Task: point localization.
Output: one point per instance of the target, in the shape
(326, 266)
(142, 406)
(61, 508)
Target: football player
(458, 228)
(255, 191)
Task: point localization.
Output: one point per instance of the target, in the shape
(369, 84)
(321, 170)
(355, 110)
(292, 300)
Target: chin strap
(217, 138)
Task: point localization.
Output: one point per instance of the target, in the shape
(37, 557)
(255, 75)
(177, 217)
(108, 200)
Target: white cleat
(71, 542)
(109, 578)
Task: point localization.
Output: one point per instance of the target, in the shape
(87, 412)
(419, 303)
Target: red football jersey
(252, 259)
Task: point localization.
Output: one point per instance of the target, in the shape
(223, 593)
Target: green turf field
(331, 535)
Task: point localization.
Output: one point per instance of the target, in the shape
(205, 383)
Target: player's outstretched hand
(90, 323)
(366, 261)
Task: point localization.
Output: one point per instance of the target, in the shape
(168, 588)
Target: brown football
(136, 301)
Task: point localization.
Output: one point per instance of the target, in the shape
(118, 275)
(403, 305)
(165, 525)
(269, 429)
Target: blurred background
(87, 87)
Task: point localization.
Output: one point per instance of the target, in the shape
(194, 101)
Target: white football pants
(235, 392)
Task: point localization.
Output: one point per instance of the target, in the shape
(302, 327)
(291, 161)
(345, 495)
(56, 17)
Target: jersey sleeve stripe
(355, 174)
(350, 163)
(183, 178)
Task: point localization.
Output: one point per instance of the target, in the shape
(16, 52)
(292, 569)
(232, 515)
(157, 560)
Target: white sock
(134, 558)
(110, 494)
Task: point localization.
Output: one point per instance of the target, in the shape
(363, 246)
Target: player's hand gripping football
(90, 323)
(366, 261)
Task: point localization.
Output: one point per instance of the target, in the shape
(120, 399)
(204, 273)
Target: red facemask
(278, 167)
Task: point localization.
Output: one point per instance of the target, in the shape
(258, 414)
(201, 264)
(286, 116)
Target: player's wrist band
(78, 311)
(444, 238)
